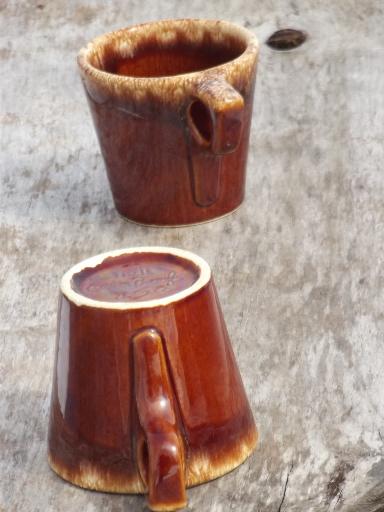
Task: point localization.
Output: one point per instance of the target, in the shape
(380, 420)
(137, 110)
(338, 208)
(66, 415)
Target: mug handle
(160, 454)
(215, 123)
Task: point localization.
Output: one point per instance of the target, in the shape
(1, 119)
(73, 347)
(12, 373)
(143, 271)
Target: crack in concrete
(285, 487)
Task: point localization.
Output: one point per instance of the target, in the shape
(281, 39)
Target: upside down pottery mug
(172, 104)
(147, 396)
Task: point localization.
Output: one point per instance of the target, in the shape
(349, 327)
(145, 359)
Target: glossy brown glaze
(175, 58)
(172, 104)
(160, 456)
(135, 277)
(147, 399)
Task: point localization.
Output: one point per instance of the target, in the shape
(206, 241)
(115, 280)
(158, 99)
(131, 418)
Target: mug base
(183, 225)
(201, 469)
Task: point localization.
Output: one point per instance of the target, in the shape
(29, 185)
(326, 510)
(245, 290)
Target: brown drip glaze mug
(172, 104)
(147, 396)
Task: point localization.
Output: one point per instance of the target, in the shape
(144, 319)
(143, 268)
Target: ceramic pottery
(146, 396)
(172, 102)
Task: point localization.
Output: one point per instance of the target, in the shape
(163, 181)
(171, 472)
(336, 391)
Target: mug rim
(249, 38)
(79, 299)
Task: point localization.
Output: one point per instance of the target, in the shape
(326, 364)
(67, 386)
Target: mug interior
(136, 277)
(167, 49)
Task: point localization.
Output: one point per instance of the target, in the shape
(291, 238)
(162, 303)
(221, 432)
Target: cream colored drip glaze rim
(194, 25)
(94, 261)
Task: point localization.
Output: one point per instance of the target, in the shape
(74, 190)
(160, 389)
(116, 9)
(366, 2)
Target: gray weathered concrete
(299, 267)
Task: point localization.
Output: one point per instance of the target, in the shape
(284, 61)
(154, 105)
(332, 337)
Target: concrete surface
(299, 267)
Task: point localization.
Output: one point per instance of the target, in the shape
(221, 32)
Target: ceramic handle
(161, 452)
(215, 123)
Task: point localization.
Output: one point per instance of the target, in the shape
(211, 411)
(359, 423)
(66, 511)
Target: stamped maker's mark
(135, 282)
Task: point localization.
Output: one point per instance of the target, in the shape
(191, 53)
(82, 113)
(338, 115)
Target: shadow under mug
(172, 104)
(147, 396)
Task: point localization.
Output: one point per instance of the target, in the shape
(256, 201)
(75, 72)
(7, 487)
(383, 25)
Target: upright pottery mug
(172, 105)
(146, 393)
